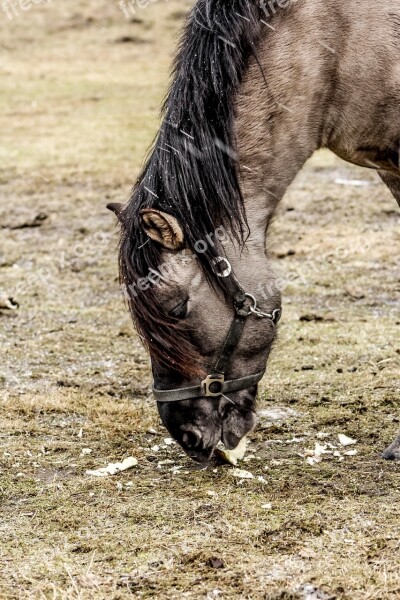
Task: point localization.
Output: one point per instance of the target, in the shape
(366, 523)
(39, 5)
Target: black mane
(192, 171)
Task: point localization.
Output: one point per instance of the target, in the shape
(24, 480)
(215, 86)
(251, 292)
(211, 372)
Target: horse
(256, 89)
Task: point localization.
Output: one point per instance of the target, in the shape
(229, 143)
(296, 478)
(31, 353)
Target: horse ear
(117, 209)
(162, 228)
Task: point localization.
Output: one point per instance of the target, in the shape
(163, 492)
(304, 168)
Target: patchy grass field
(81, 87)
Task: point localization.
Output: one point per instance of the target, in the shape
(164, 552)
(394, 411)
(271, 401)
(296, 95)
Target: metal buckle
(209, 381)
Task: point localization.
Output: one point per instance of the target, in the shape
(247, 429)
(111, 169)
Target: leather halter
(215, 385)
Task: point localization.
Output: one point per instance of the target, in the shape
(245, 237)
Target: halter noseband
(215, 385)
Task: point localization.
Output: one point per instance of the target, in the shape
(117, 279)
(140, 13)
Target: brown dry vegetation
(80, 92)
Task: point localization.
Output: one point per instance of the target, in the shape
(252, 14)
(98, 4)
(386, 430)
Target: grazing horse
(258, 87)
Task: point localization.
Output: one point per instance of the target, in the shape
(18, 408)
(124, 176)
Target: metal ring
(218, 261)
(252, 309)
(276, 315)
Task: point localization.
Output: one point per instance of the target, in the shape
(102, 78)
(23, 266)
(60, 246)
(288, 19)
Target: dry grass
(78, 110)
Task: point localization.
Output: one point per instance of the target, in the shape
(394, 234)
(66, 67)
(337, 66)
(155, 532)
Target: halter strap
(215, 385)
(199, 391)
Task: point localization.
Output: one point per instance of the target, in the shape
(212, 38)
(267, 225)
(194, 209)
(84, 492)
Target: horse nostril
(192, 439)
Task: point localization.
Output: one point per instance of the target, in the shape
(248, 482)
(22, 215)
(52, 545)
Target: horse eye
(180, 311)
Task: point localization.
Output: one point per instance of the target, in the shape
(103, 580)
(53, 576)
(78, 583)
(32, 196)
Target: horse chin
(200, 458)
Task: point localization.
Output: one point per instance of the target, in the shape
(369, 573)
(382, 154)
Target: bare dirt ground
(81, 86)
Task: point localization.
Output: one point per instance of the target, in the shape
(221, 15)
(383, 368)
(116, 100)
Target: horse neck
(277, 127)
(267, 170)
